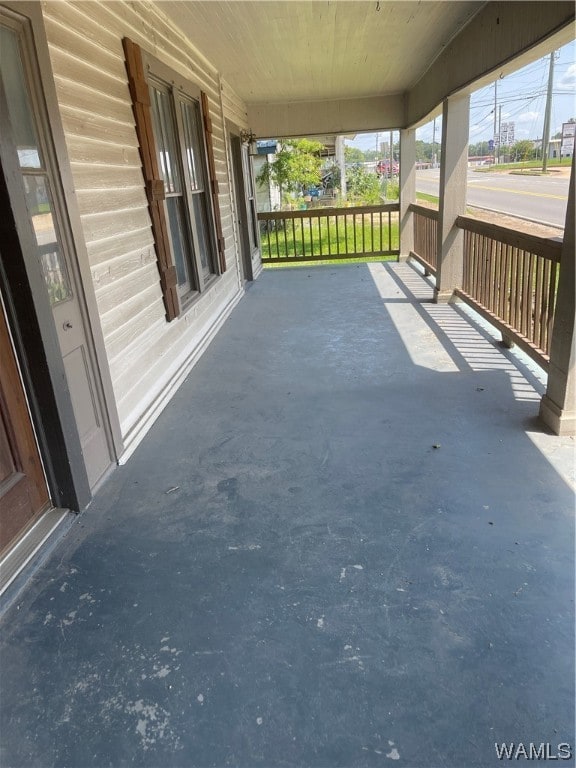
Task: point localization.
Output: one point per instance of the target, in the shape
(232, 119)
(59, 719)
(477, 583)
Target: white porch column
(407, 190)
(558, 406)
(341, 160)
(453, 177)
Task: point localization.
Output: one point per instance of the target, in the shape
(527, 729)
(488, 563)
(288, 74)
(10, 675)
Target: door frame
(26, 299)
(241, 199)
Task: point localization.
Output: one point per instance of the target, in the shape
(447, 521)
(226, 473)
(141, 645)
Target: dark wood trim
(538, 355)
(542, 246)
(427, 266)
(153, 182)
(422, 210)
(314, 213)
(207, 123)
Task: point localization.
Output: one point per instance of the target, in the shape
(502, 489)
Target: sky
(522, 96)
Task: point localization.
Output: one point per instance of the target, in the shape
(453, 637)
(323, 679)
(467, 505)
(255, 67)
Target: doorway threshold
(32, 548)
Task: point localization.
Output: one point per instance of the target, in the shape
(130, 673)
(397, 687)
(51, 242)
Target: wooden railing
(511, 278)
(323, 234)
(425, 234)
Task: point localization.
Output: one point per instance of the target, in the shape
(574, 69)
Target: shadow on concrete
(337, 546)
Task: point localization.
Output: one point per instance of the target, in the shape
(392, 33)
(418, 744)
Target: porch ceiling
(320, 50)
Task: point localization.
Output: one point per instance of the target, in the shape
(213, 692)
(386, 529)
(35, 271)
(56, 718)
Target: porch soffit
(320, 50)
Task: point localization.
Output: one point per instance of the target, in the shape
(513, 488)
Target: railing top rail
(422, 210)
(548, 248)
(328, 211)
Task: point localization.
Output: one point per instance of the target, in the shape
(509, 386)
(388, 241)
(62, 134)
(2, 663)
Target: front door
(45, 214)
(246, 218)
(23, 490)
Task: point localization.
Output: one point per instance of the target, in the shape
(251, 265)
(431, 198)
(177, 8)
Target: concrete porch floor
(290, 572)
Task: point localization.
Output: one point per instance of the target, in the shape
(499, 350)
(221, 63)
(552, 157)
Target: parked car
(383, 168)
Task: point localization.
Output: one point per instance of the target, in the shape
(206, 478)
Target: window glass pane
(16, 90)
(176, 219)
(201, 220)
(165, 134)
(194, 146)
(39, 203)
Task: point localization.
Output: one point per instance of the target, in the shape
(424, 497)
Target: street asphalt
(537, 198)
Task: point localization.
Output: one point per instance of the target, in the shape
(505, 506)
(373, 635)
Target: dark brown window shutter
(154, 183)
(213, 182)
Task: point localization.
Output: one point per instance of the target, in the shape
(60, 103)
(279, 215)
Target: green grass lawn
(529, 165)
(323, 239)
(427, 198)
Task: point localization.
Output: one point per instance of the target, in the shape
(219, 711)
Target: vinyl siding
(85, 42)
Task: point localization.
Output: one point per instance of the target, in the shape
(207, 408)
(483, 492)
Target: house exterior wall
(147, 355)
(305, 118)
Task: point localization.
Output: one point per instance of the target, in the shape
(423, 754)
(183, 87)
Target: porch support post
(558, 406)
(407, 190)
(341, 160)
(453, 177)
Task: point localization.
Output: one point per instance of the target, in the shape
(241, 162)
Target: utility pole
(546, 128)
(496, 136)
(391, 152)
(434, 144)
(499, 130)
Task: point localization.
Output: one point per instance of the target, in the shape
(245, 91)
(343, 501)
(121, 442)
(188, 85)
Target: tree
(522, 150)
(296, 166)
(363, 186)
(481, 149)
(353, 155)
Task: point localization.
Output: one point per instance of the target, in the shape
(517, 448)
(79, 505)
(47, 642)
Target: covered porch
(346, 541)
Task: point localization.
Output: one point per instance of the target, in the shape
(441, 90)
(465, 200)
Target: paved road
(533, 197)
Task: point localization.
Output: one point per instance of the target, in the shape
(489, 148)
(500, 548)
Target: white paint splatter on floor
(153, 723)
(393, 754)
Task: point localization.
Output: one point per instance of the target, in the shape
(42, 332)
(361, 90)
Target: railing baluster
(311, 238)
(268, 239)
(544, 305)
(510, 277)
(551, 304)
(538, 300)
(276, 223)
(285, 240)
(525, 288)
(466, 263)
(505, 287)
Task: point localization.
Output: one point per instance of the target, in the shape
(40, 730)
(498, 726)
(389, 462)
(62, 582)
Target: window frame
(202, 233)
(180, 90)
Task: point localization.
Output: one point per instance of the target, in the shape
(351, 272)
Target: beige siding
(233, 107)
(85, 41)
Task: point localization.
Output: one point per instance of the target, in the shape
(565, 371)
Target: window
(34, 169)
(174, 131)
